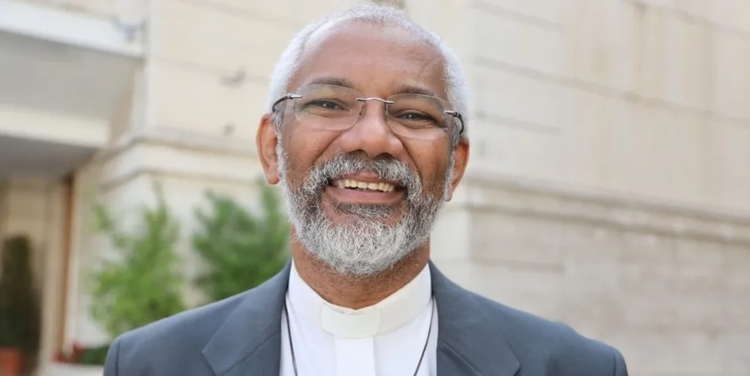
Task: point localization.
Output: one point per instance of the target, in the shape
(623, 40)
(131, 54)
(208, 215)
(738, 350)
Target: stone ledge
(179, 138)
(491, 192)
(179, 154)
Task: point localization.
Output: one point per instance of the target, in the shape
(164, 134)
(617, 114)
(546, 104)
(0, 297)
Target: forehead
(376, 59)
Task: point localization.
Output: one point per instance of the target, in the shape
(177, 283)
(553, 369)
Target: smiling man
(367, 136)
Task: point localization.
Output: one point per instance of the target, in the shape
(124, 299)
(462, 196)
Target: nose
(371, 133)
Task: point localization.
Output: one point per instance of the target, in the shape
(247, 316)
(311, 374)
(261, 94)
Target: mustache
(385, 167)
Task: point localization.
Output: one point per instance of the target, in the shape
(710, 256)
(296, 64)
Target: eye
(416, 116)
(325, 104)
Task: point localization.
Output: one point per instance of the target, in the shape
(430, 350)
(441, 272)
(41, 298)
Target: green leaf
(240, 248)
(143, 285)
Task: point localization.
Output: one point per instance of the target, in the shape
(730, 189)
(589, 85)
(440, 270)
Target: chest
(312, 351)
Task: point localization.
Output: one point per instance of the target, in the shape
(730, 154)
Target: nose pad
(372, 136)
(363, 109)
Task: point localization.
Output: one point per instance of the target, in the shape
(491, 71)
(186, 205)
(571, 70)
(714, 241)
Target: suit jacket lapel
(249, 341)
(470, 341)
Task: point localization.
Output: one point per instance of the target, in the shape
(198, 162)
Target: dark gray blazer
(241, 336)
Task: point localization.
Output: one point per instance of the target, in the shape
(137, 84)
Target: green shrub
(19, 306)
(144, 283)
(94, 356)
(241, 249)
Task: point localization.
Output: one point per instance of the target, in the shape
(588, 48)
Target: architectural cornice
(173, 152)
(496, 193)
(178, 138)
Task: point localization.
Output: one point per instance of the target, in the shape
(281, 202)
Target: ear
(459, 167)
(266, 140)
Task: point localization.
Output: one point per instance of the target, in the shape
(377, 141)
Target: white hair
(455, 78)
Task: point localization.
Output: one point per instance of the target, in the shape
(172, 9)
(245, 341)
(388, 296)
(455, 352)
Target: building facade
(609, 180)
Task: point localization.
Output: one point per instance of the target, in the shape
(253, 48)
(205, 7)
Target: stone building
(608, 187)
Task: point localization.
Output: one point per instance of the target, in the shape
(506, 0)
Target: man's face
(362, 198)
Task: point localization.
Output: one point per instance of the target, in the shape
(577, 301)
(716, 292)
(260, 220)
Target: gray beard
(364, 244)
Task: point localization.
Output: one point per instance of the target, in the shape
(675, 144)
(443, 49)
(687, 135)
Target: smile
(365, 189)
(363, 185)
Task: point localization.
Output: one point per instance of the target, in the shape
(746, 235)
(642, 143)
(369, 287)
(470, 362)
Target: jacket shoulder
(181, 336)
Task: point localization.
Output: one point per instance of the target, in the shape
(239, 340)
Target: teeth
(349, 183)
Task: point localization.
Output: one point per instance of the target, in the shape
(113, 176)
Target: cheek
(295, 169)
(291, 156)
(433, 174)
(302, 150)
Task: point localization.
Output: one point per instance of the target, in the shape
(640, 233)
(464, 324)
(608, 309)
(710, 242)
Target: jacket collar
(249, 341)
(470, 339)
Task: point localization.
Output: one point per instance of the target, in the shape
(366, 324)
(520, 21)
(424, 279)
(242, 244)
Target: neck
(352, 291)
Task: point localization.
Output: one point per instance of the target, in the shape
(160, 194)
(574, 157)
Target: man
(366, 134)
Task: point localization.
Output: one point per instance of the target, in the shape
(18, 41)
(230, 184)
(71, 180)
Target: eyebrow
(334, 81)
(410, 89)
(343, 82)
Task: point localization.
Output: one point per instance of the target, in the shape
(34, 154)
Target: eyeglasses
(337, 108)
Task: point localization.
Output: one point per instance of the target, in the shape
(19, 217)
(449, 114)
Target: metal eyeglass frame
(291, 96)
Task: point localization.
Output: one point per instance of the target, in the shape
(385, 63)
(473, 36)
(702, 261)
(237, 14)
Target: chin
(355, 268)
(343, 214)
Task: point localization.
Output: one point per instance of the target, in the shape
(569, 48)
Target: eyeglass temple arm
(284, 98)
(460, 119)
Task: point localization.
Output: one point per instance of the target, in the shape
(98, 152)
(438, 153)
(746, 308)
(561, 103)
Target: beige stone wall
(640, 97)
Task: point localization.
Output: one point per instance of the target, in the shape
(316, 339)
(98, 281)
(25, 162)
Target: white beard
(365, 244)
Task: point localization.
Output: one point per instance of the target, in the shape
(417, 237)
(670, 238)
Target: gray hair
(455, 78)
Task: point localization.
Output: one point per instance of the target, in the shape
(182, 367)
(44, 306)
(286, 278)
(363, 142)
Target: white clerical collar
(393, 312)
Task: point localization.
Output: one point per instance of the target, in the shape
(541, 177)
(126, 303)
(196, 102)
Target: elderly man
(366, 134)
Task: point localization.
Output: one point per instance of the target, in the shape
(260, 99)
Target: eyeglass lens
(332, 107)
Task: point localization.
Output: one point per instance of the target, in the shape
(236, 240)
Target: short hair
(288, 64)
